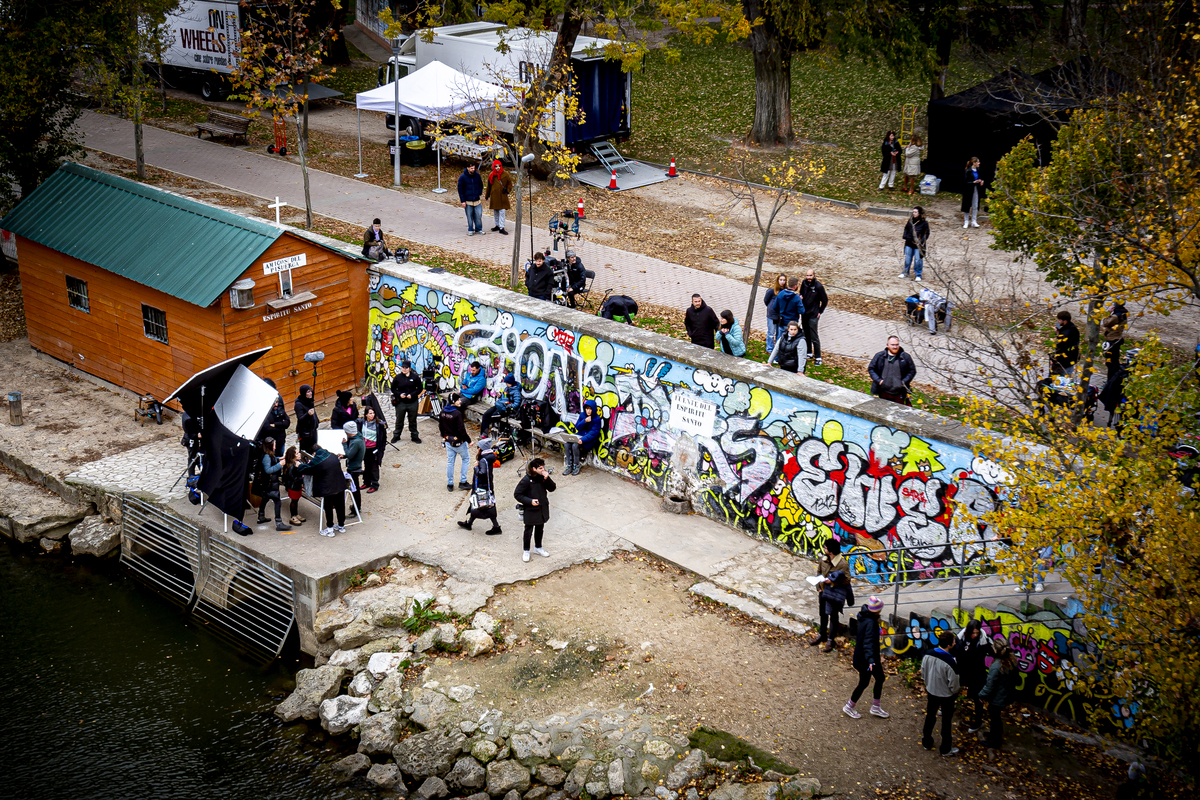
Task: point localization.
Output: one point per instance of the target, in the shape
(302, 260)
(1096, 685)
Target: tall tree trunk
(945, 43)
(136, 79)
(762, 255)
(302, 147)
(772, 82)
(1072, 26)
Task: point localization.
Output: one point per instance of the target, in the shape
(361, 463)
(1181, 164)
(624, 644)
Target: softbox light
(244, 403)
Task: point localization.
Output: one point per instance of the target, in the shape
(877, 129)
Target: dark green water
(110, 692)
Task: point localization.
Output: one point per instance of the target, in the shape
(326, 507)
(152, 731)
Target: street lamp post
(396, 115)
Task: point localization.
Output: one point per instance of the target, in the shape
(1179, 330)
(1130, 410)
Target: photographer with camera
(406, 391)
(506, 404)
(473, 384)
(456, 441)
(539, 278)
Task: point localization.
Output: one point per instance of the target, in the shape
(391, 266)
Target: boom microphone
(314, 357)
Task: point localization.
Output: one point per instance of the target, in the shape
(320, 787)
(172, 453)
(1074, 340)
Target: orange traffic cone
(671, 171)
(579, 210)
(612, 182)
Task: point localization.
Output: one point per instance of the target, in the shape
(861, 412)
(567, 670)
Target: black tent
(988, 120)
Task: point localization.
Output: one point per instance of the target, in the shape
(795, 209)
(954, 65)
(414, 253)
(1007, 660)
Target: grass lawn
(696, 109)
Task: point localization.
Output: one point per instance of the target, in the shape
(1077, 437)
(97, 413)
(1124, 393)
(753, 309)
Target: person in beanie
(344, 410)
(832, 593)
(533, 495)
(456, 441)
(939, 670)
(356, 450)
(998, 691)
(891, 371)
(866, 659)
(974, 649)
(306, 419)
(1066, 346)
(499, 184)
(470, 189)
(506, 404)
(701, 323)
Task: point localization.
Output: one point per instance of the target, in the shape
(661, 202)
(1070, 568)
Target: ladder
(611, 158)
(908, 120)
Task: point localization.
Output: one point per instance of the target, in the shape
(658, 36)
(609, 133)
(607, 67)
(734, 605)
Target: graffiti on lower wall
(1052, 650)
(775, 466)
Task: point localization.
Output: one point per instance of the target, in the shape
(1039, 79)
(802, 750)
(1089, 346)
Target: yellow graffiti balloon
(760, 403)
(586, 346)
(832, 432)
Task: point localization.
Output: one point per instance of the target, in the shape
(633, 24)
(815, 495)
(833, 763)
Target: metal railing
(160, 549)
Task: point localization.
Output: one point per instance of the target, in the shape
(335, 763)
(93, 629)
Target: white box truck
(604, 90)
(204, 45)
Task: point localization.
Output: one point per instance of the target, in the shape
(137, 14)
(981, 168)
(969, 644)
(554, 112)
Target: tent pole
(439, 189)
(360, 173)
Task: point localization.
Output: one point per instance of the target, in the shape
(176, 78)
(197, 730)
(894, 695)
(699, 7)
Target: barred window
(154, 323)
(77, 294)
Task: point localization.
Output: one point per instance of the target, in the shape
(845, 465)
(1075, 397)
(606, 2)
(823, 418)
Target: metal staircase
(611, 158)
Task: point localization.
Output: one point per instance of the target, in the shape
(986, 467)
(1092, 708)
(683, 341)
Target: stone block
(506, 776)
(330, 618)
(430, 753)
(313, 687)
(475, 642)
(94, 537)
(377, 734)
(342, 713)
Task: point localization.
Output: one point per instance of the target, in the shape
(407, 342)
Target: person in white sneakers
(532, 493)
(939, 670)
(866, 659)
(973, 193)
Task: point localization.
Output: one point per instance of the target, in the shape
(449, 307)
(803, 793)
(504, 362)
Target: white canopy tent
(435, 92)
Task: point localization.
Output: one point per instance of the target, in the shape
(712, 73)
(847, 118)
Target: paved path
(436, 223)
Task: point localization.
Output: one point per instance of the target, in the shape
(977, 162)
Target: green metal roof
(179, 246)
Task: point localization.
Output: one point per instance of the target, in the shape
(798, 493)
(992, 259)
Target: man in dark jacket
(576, 277)
(891, 371)
(470, 190)
(532, 493)
(812, 295)
(866, 659)
(539, 278)
(787, 305)
(329, 484)
(406, 391)
(506, 404)
(701, 323)
(276, 426)
(373, 237)
(456, 441)
(1066, 346)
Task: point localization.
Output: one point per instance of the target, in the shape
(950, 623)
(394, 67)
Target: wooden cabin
(143, 288)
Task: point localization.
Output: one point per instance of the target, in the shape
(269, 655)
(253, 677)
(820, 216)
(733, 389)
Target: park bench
(220, 123)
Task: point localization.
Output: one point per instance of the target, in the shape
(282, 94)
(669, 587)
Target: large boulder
(484, 751)
(428, 708)
(390, 611)
(429, 753)
(381, 664)
(389, 694)
(467, 774)
(350, 659)
(530, 748)
(795, 788)
(377, 734)
(578, 777)
(550, 775)
(505, 776)
(616, 778)
(689, 769)
(483, 621)
(475, 642)
(767, 790)
(346, 768)
(313, 687)
(343, 713)
(431, 788)
(330, 618)
(356, 634)
(427, 640)
(94, 537)
(386, 777)
(387, 644)
(361, 686)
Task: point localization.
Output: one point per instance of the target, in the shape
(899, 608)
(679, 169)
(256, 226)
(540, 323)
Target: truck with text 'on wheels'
(475, 48)
(203, 46)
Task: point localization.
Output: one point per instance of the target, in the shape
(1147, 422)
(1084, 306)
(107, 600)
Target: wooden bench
(220, 123)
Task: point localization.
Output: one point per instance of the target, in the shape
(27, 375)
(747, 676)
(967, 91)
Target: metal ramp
(611, 158)
(639, 175)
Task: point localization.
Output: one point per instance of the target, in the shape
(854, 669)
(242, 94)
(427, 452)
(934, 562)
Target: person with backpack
(832, 593)
(974, 649)
(456, 440)
(790, 350)
(483, 490)
(939, 670)
(866, 659)
(267, 484)
(773, 330)
(998, 691)
(788, 305)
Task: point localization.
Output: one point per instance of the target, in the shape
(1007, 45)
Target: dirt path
(631, 622)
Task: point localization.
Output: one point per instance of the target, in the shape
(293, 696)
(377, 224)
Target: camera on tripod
(431, 372)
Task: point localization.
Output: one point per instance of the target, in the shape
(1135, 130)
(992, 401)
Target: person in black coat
(1066, 346)
(266, 484)
(484, 484)
(973, 193)
(576, 277)
(866, 659)
(406, 392)
(373, 427)
(276, 426)
(533, 494)
(916, 234)
(329, 484)
(539, 278)
(891, 160)
(701, 323)
(812, 292)
(373, 237)
(891, 371)
(973, 650)
(344, 410)
(306, 419)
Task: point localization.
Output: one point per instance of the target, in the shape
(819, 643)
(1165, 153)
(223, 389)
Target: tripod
(504, 429)
(435, 404)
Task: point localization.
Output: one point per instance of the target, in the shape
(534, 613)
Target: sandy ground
(712, 666)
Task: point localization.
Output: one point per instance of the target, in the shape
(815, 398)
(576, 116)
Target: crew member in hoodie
(587, 428)
(939, 671)
(701, 323)
(306, 419)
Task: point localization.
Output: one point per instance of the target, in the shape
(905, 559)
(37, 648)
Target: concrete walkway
(440, 224)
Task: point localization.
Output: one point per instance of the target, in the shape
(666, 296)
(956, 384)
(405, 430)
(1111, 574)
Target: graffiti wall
(776, 466)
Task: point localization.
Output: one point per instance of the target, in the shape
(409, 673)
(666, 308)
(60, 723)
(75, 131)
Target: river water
(111, 692)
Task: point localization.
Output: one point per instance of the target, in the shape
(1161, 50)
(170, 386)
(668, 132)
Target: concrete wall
(783, 458)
